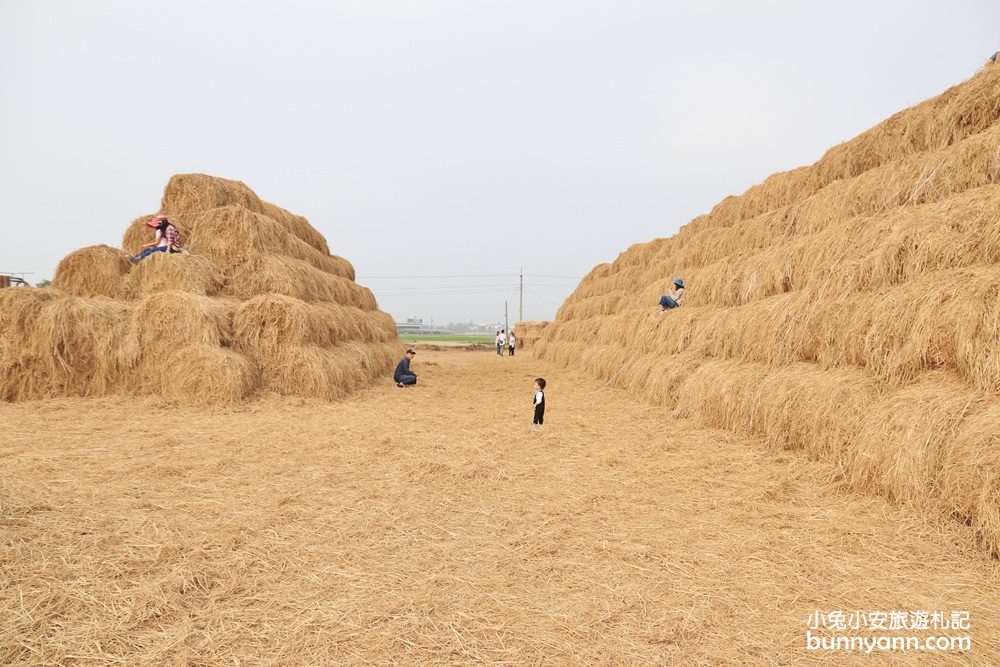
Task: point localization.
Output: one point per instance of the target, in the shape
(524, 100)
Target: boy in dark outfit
(539, 403)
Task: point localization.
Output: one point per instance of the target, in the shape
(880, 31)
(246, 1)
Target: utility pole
(520, 310)
(506, 326)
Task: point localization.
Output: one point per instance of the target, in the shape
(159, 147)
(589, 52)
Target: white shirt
(511, 340)
(538, 396)
(501, 339)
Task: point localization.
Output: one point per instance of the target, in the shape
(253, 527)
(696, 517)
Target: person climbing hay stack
(674, 299)
(167, 239)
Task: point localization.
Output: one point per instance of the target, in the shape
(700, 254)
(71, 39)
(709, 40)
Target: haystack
(257, 304)
(528, 334)
(848, 309)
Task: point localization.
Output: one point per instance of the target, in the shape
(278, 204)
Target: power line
(542, 297)
(481, 275)
(445, 291)
(550, 285)
(543, 275)
(470, 275)
(447, 287)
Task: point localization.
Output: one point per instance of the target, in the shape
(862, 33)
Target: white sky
(446, 138)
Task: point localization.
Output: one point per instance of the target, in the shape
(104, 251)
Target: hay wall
(528, 334)
(850, 309)
(259, 304)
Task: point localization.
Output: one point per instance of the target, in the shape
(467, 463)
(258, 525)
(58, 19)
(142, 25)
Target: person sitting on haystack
(674, 299)
(403, 375)
(167, 239)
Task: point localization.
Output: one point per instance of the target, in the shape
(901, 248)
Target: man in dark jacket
(403, 375)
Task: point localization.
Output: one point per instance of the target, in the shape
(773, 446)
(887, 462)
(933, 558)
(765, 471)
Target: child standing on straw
(538, 404)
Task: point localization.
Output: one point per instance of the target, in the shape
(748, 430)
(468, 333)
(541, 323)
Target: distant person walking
(674, 299)
(403, 375)
(538, 403)
(511, 342)
(167, 239)
(501, 342)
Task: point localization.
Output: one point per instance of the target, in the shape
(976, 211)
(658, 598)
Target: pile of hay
(528, 334)
(258, 304)
(850, 309)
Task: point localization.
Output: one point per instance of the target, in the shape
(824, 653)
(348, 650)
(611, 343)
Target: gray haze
(454, 139)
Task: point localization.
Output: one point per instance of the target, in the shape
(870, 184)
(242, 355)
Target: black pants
(512, 350)
(539, 414)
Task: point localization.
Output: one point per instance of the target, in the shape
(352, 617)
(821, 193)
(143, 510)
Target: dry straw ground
(849, 309)
(431, 526)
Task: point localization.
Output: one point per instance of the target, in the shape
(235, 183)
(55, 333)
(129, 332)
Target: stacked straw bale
(528, 334)
(850, 309)
(259, 304)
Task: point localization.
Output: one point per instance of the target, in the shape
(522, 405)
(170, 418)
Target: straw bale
(603, 304)
(943, 320)
(24, 361)
(307, 371)
(19, 309)
(963, 110)
(86, 345)
(161, 272)
(651, 377)
(93, 271)
(375, 360)
(957, 232)
(969, 478)
(269, 323)
(798, 406)
(776, 191)
(297, 225)
(528, 334)
(594, 276)
(194, 193)
(236, 238)
(900, 447)
(203, 375)
(173, 319)
(280, 274)
(567, 353)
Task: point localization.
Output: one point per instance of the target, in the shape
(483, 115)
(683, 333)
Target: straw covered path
(431, 526)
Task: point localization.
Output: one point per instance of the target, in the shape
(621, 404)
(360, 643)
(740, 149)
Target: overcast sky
(445, 138)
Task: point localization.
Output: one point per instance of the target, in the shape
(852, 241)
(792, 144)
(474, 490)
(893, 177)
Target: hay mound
(850, 308)
(528, 334)
(258, 304)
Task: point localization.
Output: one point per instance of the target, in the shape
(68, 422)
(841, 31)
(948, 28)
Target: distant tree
(45, 282)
